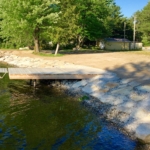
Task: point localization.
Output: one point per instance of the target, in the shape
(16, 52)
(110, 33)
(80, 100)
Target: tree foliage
(65, 28)
(143, 24)
(60, 21)
(23, 21)
(82, 19)
(93, 20)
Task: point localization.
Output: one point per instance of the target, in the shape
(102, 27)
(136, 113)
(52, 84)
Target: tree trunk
(98, 42)
(80, 41)
(57, 48)
(36, 44)
(36, 40)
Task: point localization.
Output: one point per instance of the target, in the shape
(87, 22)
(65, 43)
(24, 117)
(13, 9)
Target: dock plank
(51, 73)
(3, 70)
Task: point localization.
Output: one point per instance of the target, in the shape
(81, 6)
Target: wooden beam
(56, 76)
(3, 70)
(51, 73)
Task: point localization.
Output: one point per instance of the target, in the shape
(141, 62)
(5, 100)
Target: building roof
(116, 40)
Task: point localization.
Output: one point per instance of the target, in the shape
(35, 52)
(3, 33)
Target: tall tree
(143, 23)
(122, 28)
(93, 22)
(117, 22)
(65, 28)
(23, 21)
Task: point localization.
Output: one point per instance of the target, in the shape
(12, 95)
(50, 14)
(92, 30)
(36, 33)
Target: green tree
(23, 21)
(143, 24)
(117, 22)
(66, 27)
(93, 20)
(60, 21)
(123, 28)
(120, 26)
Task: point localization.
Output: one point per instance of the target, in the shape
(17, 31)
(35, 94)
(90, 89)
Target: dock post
(34, 83)
(30, 82)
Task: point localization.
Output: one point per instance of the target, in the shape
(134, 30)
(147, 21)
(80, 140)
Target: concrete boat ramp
(50, 73)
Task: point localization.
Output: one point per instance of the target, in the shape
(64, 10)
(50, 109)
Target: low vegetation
(48, 54)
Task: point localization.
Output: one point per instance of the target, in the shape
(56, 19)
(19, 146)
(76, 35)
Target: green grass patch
(133, 50)
(146, 53)
(83, 98)
(90, 51)
(48, 55)
(81, 51)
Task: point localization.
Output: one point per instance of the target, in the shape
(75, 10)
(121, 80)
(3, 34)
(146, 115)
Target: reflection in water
(48, 119)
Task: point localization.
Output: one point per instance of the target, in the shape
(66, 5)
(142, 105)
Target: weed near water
(83, 98)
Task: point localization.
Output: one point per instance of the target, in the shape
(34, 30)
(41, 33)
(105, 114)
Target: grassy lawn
(47, 54)
(81, 51)
(147, 53)
(50, 53)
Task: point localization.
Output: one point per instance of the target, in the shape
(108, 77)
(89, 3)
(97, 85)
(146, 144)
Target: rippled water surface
(46, 119)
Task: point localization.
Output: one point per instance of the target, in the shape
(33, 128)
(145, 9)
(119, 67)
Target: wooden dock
(3, 71)
(51, 73)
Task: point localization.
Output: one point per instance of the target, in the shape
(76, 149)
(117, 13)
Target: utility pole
(134, 22)
(124, 34)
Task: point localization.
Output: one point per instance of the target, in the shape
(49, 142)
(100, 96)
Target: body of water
(47, 119)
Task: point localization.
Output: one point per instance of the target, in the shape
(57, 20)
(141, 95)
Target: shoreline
(127, 101)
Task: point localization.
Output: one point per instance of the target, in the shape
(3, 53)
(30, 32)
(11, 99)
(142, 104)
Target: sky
(129, 7)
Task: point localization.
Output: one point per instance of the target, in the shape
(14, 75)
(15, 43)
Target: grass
(83, 98)
(84, 51)
(146, 53)
(48, 55)
(81, 51)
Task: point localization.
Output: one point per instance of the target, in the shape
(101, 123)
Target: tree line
(142, 19)
(64, 22)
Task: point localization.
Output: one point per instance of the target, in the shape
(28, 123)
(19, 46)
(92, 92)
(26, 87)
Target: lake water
(47, 119)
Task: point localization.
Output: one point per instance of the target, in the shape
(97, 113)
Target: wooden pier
(3, 71)
(51, 73)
